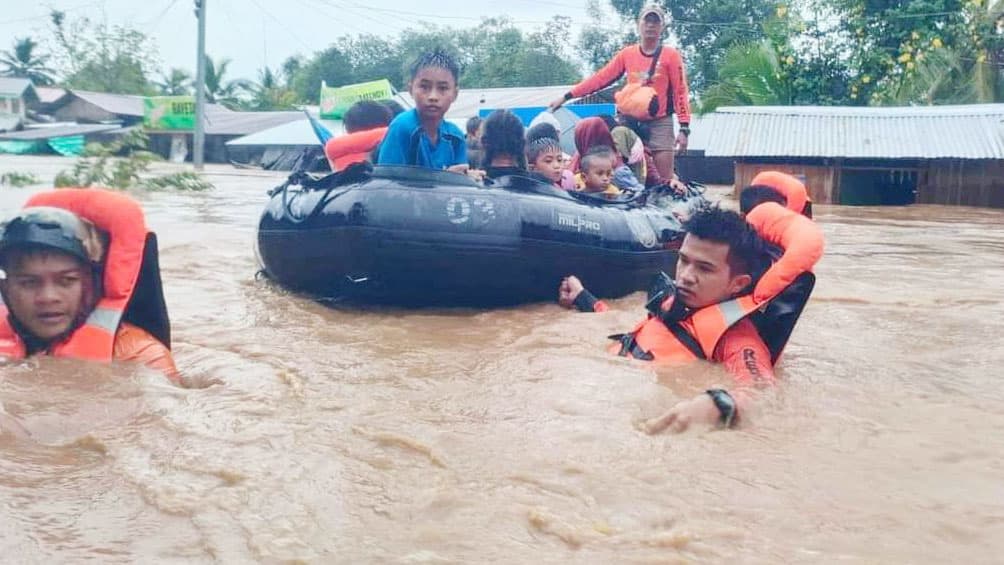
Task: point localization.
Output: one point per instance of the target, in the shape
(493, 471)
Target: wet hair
(473, 124)
(393, 106)
(596, 153)
(609, 120)
(438, 58)
(753, 196)
(364, 115)
(538, 147)
(503, 135)
(748, 253)
(541, 131)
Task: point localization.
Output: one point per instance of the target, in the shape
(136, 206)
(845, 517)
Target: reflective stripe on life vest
(802, 242)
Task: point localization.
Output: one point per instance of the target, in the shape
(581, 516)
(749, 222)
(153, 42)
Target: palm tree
(176, 83)
(269, 94)
(750, 75)
(23, 62)
(220, 91)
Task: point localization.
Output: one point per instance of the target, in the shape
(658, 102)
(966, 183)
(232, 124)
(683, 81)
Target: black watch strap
(585, 301)
(726, 406)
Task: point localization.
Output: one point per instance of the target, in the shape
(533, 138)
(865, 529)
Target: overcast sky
(255, 33)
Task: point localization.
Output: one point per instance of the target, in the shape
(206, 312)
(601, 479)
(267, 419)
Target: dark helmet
(44, 227)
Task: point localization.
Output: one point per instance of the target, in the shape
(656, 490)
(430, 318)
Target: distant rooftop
(14, 86)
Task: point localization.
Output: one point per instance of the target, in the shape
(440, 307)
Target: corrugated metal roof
(61, 131)
(49, 94)
(121, 104)
(295, 133)
(244, 123)
(14, 86)
(966, 132)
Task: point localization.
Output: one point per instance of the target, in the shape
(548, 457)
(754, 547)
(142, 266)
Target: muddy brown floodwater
(509, 436)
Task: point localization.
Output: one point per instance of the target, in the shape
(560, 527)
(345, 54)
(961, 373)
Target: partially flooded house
(868, 155)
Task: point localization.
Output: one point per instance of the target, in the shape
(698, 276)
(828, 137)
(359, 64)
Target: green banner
(335, 101)
(169, 113)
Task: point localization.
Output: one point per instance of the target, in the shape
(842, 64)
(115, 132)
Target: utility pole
(198, 144)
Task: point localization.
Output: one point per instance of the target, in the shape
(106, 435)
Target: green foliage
(598, 42)
(18, 179)
(269, 94)
(23, 61)
(494, 53)
(219, 90)
(177, 82)
(102, 58)
(750, 74)
(184, 181)
(707, 28)
(124, 164)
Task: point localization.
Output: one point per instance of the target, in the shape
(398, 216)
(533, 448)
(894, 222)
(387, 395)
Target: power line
(290, 32)
(49, 15)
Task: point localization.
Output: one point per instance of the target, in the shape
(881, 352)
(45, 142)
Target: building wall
(960, 182)
(13, 105)
(822, 181)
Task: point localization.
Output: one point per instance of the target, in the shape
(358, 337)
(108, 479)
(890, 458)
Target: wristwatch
(685, 129)
(726, 406)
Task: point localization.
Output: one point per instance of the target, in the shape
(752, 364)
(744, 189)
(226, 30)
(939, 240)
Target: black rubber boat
(416, 237)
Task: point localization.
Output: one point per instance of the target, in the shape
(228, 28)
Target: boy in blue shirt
(421, 136)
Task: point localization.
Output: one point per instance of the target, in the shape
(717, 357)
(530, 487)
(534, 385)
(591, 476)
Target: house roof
(49, 94)
(226, 122)
(973, 131)
(63, 130)
(15, 86)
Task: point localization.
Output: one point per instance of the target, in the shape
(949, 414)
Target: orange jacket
(799, 237)
(134, 344)
(721, 332)
(669, 79)
(789, 187)
(353, 147)
(122, 218)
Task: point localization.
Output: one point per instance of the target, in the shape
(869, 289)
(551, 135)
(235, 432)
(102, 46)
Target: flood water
(510, 436)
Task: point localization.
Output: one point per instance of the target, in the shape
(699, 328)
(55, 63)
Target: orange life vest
(351, 148)
(122, 219)
(696, 336)
(789, 187)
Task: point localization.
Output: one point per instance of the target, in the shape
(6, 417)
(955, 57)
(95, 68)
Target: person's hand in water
(569, 290)
(700, 410)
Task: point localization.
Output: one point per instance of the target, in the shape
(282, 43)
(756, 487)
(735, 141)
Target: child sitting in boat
(504, 145)
(545, 158)
(546, 129)
(596, 169)
(421, 136)
(366, 125)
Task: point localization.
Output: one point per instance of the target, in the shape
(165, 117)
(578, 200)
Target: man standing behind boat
(655, 80)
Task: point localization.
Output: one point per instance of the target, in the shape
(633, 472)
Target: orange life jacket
(122, 219)
(789, 187)
(351, 148)
(696, 336)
